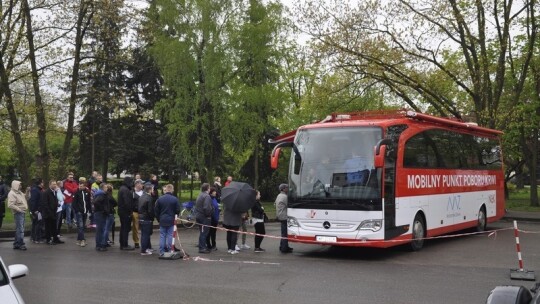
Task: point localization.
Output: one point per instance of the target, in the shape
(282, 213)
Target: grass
(519, 200)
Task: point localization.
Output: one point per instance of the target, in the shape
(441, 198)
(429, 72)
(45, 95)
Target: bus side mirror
(380, 152)
(274, 158)
(379, 158)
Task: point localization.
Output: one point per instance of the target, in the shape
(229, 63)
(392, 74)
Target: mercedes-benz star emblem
(326, 225)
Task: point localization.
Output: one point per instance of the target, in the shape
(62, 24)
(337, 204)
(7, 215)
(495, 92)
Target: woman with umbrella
(237, 198)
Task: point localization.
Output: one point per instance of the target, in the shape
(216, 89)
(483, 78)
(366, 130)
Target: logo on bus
(454, 203)
(326, 225)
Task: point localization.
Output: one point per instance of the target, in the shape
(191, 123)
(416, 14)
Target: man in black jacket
(4, 190)
(125, 210)
(146, 218)
(49, 204)
(36, 193)
(81, 205)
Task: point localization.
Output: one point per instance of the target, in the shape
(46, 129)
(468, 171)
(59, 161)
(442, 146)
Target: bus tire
(482, 219)
(418, 233)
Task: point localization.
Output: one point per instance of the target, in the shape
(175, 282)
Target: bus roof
(380, 116)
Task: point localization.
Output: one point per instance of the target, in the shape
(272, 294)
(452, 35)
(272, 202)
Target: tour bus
(381, 179)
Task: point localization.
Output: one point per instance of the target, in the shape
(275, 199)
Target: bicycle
(187, 215)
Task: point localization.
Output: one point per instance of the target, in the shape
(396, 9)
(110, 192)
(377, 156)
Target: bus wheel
(482, 221)
(418, 233)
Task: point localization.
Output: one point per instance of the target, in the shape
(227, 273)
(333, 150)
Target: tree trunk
(256, 167)
(533, 169)
(23, 163)
(81, 29)
(43, 160)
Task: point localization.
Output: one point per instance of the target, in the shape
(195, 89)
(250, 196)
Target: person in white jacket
(18, 205)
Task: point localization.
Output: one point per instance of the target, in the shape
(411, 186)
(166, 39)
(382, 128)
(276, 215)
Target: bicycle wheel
(188, 220)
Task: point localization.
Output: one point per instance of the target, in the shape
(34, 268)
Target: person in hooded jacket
(102, 209)
(81, 205)
(146, 218)
(17, 203)
(125, 210)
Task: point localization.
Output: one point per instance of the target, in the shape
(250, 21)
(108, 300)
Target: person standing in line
(125, 210)
(257, 217)
(18, 205)
(101, 212)
(4, 190)
(92, 179)
(245, 221)
(61, 206)
(49, 205)
(217, 186)
(155, 183)
(92, 188)
(109, 220)
(231, 221)
(211, 238)
(167, 206)
(281, 213)
(81, 206)
(203, 216)
(137, 192)
(70, 188)
(228, 181)
(146, 218)
(35, 210)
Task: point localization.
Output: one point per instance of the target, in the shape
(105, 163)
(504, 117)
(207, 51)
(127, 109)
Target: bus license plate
(326, 239)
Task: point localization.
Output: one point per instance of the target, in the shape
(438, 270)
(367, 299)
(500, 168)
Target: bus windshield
(336, 169)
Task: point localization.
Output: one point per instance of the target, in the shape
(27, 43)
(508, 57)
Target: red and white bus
(380, 179)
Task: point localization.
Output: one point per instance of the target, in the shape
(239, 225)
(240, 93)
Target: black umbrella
(238, 197)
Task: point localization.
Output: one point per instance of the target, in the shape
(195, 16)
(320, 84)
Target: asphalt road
(462, 269)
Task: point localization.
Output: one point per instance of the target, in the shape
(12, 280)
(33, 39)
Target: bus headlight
(373, 225)
(292, 222)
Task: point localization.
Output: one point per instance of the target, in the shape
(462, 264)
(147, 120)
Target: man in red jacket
(70, 188)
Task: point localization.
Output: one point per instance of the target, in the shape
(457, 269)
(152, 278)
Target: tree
(461, 58)
(190, 47)
(85, 14)
(257, 97)
(104, 81)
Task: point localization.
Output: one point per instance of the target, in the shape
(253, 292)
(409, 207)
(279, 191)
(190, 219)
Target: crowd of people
(89, 203)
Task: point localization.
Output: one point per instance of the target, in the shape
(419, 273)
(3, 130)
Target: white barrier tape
(479, 233)
(199, 259)
(529, 232)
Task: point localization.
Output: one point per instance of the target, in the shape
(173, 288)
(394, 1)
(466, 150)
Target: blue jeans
(165, 238)
(19, 229)
(203, 231)
(284, 243)
(146, 231)
(67, 208)
(100, 219)
(81, 221)
(108, 227)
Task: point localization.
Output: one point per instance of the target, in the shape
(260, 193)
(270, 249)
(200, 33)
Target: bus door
(389, 183)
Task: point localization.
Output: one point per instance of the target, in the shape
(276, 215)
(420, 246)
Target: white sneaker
(236, 248)
(229, 251)
(244, 246)
(234, 252)
(83, 243)
(149, 251)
